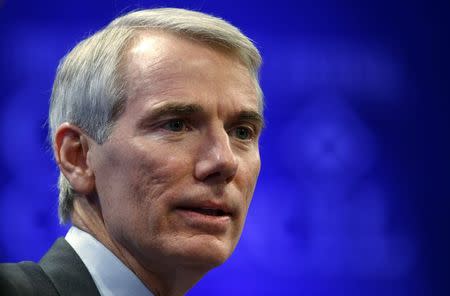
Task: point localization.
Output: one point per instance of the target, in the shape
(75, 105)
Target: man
(155, 122)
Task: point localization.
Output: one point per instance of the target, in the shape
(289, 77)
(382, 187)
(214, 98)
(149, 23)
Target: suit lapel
(67, 272)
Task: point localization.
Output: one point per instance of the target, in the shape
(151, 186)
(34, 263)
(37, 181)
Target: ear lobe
(71, 152)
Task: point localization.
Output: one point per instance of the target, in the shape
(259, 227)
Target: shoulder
(13, 280)
(24, 278)
(67, 272)
(60, 272)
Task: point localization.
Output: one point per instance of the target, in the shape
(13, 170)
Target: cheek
(129, 176)
(249, 172)
(245, 182)
(154, 175)
(141, 186)
(154, 181)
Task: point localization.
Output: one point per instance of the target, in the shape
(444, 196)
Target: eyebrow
(170, 109)
(184, 110)
(251, 116)
(176, 109)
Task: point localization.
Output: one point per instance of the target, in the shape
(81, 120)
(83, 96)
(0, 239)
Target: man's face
(176, 176)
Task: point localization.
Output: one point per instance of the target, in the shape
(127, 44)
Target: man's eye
(243, 133)
(175, 125)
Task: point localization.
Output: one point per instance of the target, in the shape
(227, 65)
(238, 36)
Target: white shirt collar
(110, 275)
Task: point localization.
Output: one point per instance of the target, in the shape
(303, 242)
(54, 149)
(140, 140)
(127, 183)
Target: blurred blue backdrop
(353, 196)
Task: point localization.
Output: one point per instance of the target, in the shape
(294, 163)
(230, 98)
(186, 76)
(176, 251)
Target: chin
(204, 252)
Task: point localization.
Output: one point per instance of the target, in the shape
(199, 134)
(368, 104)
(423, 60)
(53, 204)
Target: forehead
(161, 64)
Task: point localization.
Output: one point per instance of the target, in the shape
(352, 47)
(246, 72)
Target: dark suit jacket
(60, 272)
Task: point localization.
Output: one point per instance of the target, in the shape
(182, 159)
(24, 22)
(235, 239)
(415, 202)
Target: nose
(217, 163)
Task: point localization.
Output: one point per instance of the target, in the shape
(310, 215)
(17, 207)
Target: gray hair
(89, 88)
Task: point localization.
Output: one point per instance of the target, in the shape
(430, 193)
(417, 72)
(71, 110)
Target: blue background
(353, 197)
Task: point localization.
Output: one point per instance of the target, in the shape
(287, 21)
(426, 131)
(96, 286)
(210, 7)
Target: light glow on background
(337, 209)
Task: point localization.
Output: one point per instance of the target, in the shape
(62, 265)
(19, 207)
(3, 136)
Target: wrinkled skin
(159, 159)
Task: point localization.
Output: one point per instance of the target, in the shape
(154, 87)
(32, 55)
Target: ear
(71, 153)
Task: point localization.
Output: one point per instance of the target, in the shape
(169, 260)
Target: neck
(160, 280)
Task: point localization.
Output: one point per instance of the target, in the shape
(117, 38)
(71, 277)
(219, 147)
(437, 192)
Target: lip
(218, 205)
(204, 222)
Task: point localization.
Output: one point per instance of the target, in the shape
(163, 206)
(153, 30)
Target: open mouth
(204, 217)
(207, 211)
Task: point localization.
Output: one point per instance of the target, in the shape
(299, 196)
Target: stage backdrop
(356, 101)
